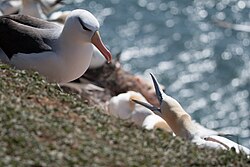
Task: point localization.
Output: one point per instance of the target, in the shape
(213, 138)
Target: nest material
(111, 80)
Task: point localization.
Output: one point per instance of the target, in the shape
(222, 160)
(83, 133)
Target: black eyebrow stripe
(83, 26)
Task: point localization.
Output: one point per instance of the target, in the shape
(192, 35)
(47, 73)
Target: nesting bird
(123, 107)
(60, 53)
(181, 122)
(41, 9)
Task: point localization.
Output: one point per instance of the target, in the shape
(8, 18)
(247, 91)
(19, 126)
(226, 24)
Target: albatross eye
(83, 26)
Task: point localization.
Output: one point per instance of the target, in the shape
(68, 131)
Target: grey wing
(20, 34)
(31, 21)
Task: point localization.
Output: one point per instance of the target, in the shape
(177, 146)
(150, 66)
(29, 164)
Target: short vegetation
(42, 126)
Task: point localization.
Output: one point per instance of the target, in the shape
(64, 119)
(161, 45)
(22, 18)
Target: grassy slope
(41, 126)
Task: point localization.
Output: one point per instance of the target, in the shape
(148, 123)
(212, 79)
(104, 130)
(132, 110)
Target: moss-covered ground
(42, 126)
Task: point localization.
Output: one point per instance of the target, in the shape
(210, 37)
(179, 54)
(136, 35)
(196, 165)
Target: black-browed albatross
(60, 53)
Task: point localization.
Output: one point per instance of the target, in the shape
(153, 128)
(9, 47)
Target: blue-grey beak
(149, 106)
(158, 90)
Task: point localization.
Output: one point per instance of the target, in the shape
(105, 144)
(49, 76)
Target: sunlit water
(205, 67)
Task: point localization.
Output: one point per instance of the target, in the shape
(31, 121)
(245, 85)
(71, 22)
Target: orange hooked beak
(97, 41)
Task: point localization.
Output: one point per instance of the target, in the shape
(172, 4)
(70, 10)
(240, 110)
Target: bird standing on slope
(37, 8)
(60, 53)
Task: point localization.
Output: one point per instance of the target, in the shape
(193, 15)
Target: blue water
(205, 67)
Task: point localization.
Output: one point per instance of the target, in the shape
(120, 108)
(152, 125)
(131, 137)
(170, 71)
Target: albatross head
(85, 24)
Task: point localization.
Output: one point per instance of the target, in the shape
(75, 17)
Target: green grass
(42, 126)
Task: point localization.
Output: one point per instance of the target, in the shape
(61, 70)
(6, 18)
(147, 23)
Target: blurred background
(199, 50)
